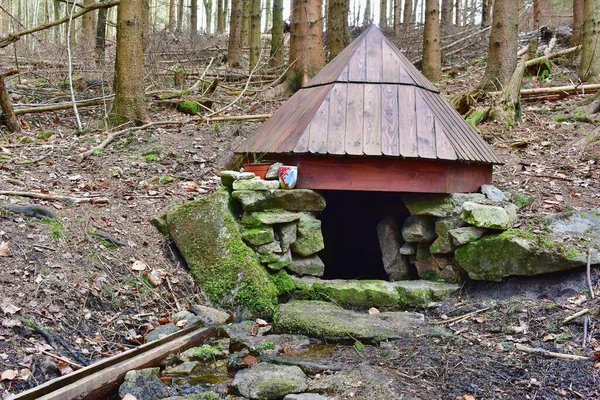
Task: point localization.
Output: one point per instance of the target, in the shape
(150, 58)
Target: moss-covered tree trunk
(129, 104)
(255, 12)
(432, 53)
(589, 69)
(277, 36)
(234, 48)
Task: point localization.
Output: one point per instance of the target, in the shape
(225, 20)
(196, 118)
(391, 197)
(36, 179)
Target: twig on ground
(66, 360)
(561, 178)
(55, 197)
(576, 315)
(585, 332)
(460, 317)
(588, 273)
(175, 299)
(542, 352)
(107, 236)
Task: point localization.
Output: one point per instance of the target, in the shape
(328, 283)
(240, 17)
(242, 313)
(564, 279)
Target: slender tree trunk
(246, 22)
(337, 27)
(86, 42)
(537, 13)
(458, 15)
(589, 69)
(383, 14)
(406, 18)
(486, 13)
(367, 20)
(208, 8)
(277, 36)
(234, 49)
(194, 20)
(255, 33)
(465, 9)
(268, 16)
(172, 16)
(472, 12)
(446, 17)
(306, 39)
(129, 103)
(180, 16)
(220, 15)
(101, 36)
(577, 22)
(502, 54)
(397, 6)
(432, 53)
(415, 16)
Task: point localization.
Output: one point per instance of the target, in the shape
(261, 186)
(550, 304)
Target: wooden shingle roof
(370, 101)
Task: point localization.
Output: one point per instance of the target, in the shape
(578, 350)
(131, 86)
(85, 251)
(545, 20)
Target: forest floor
(65, 291)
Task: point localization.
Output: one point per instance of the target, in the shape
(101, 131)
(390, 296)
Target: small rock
(283, 261)
(211, 315)
(466, 235)
(493, 193)
(185, 368)
(269, 218)
(287, 234)
(485, 216)
(273, 172)
(408, 249)
(228, 177)
(311, 265)
(269, 248)
(257, 236)
(160, 332)
(419, 229)
(255, 184)
(310, 238)
(144, 384)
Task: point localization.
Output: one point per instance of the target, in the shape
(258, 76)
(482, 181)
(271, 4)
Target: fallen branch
(460, 317)
(544, 58)
(546, 353)
(65, 360)
(61, 106)
(564, 90)
(16, 36)
(55, 197)
(588, 273)
(576, 315)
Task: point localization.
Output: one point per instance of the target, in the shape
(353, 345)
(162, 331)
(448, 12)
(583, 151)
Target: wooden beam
(100, 380)
(386, 174)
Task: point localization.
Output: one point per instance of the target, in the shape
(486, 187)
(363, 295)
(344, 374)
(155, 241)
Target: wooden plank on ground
(100, 380)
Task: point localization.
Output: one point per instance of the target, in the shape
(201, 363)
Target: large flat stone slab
(332, 323)
(438, 205)
(363, 294)
(280, 199)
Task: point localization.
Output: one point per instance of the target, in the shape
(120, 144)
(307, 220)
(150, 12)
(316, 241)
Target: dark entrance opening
(349, 226)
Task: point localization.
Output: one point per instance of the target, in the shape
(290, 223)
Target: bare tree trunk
(589, 69)
(367, 20)
(397, 5)
(432, 53)
(383, 14)
(220, 21)
(86, 42)
(10, 118)
(208, 8)
(194, 20)
(234, 49)
(337, 27)
(246, 22)
(537, 13)
(458, 15)
(171, 24)
(306, 39)
(502, 55)
(255, 33)
(268, 16)
(101, 36)
(472, 12)
(180, 16)
(129, 104)
(486, 13)
(577, 22)
(277, 36)
(446, 18)
(406, 19)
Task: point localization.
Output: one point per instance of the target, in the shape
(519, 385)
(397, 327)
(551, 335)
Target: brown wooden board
(389, 120)
(389, 174)
(372, 120)
(425, 128)
(374, 61)
(336, 129)
(317, 142)
(99, 380)
(407, 122)
(357, 71)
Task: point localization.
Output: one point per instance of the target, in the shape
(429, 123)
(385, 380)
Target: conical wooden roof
(370, 101)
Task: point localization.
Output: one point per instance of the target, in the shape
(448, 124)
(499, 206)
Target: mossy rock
(207, 234)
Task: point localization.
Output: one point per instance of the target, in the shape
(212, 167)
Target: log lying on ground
(544, 58)
(100, 380)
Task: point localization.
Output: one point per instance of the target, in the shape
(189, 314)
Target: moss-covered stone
(255, 185)
(438, 205)
(332, 323)
(258, 235)
(283, 261)
(160, 223)
(513, 252)
(466, 234)
(283, 282)
(291, 200)
(486, 216)
(270, 382)
(420, 293)
(419, 229)
(269, 217)
(309, 237)
(311, 265)
(228, 271)
(188, 107)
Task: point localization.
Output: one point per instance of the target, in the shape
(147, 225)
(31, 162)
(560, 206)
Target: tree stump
(8, 113)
